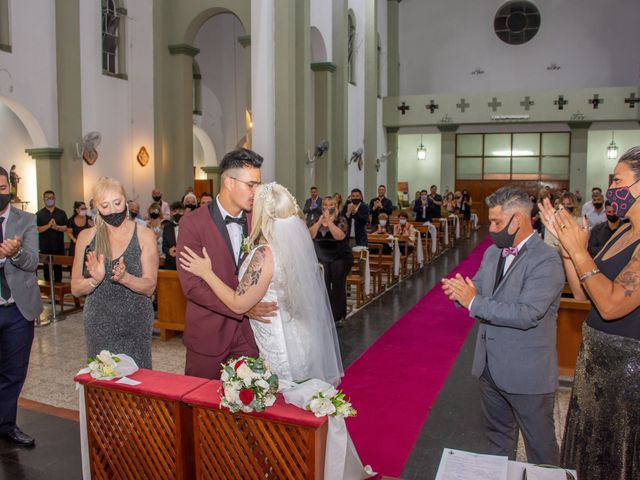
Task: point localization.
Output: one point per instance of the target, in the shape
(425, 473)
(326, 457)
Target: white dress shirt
(234, 229)
(5, 215)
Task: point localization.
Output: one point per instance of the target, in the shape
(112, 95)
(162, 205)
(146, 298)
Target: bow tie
(509, 251)
(240, 221)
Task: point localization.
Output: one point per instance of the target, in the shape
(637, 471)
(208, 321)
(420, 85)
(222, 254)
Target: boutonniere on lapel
(246, 247)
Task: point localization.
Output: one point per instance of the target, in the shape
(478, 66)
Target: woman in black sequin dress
(602, 434)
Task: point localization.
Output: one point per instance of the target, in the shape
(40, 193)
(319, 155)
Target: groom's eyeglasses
(251, 185)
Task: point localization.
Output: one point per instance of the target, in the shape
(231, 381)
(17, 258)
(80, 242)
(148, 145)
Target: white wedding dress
(301, 341)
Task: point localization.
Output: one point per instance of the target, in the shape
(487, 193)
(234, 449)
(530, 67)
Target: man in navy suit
(20, 305)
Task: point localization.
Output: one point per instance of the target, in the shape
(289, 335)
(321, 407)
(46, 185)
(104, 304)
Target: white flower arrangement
(104, 366)
(247, 385)
(331, 402)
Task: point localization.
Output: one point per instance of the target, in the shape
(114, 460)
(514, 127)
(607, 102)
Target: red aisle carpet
(395, 382)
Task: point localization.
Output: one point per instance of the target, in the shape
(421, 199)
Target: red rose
(246, 396)
(237, 364)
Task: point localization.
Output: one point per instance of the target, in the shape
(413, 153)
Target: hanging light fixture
(612, 149)
(422, 152)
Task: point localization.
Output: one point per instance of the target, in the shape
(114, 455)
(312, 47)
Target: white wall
(321, 13)
(30, 70)
(355, 93)
(420, 174)
(599, 167)
(381, 28)
(224, 84)
(443, 41)
(14, 139)
(121, 110)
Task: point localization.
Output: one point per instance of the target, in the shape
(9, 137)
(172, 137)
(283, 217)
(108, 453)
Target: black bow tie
(239, 221)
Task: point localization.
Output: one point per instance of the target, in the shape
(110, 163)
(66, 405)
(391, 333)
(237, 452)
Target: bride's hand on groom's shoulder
(193, 263)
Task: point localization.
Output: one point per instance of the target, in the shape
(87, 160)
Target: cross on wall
(463, 105)
(432, 107)
(494, 104)
(596, 101)
(632, 100)
(560, 102)
(403, 108)
(527, 103)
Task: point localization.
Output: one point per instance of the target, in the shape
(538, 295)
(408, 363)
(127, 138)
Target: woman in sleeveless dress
(301, 341)
(116, 266)
(602, 434)
(78, 222)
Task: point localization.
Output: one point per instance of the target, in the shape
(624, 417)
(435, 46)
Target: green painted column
(323, 79)
(393, 50)
(339, 103)
(49, 174)
(213, 173)
(68, 171)
(447, 157)
(292, 93)
(578, 160)
(370, 100)
(392, 165)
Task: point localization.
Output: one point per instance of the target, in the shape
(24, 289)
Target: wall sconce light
(422, 152)
(612, 149)
(143, 156)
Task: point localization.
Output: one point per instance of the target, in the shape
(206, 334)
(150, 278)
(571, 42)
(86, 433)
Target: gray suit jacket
(21, 273)
(517, 333)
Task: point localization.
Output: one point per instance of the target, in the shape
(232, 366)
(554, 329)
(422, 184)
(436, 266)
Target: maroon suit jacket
(209, 325)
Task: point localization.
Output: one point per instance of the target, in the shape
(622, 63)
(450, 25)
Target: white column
(262, 84)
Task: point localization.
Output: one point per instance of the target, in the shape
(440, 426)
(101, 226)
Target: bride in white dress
(301, 341)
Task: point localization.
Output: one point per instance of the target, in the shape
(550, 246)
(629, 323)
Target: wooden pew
(571, 315)
(172, 304)
(63, 288)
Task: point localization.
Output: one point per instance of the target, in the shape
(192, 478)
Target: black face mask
(569, 209)
(504, 239)
(154, 215)
(115, 219)
(190, 206)
(613, 218)
(133, 214)
(177, 217)
(4, 200)
(157, 198)
(331, 210)
(356, 201)
(597, 206)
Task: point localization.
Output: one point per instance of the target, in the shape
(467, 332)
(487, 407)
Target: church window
(351, 49)
(5, 27)
(113, 38)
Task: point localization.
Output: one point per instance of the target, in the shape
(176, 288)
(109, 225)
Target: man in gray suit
(20, 305)
(515, 294)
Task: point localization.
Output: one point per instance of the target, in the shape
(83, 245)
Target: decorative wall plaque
(143, 156)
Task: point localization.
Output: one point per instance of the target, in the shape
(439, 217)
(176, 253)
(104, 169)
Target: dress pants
(16, 337)
(505, 412)
(335, 279)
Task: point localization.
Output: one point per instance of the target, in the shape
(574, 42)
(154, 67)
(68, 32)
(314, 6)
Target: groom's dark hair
(242, 157)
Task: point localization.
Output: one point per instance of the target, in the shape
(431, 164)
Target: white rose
(322, 407)
(247, 382)
(262, 384)
(344, 409)
(105, 357)
(244, 372)
(225, 376)
(269, 400)
(330, 392)
(231, 394)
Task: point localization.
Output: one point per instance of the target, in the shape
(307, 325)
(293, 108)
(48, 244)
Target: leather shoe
(18, 437)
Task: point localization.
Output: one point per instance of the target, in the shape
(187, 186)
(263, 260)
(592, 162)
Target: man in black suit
(52, 224)
(313, 206)
(423, 207)
(170, 230)
(20, 305)
(357, 214)
(380, 204)
(436, 201)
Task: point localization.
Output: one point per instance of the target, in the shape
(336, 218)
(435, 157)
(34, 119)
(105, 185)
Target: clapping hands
(459, 289)
(95, 266)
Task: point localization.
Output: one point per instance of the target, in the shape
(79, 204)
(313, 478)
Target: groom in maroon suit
(213, 333)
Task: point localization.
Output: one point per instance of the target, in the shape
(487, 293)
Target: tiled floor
(59, 352)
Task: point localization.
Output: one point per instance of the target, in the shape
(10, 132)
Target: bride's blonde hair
(272, 202)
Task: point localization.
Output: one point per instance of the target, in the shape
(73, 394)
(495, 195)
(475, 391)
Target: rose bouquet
(247, 385)
(330, 402)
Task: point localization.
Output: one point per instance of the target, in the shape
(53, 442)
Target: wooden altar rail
(172, 304)
(571, 315)
(172, 427)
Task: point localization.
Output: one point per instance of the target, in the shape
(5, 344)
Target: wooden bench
(61, 289)
(172, 304)
(571, 315)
